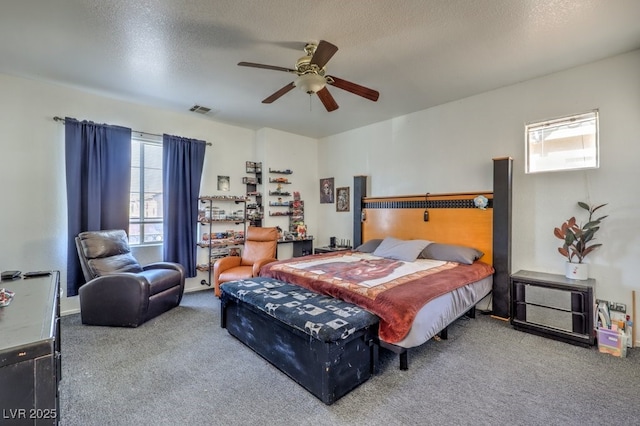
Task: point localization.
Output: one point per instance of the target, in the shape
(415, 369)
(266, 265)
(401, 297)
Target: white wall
(449, 148)
(443, 149)
(281, 151)
(33, 224)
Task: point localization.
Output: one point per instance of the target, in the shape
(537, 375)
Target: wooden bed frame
(453, 218)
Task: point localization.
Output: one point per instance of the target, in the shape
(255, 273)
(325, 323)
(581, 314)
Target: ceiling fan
(310, 70)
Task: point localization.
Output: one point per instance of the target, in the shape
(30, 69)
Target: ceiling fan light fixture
(310, 83)
(312, 77)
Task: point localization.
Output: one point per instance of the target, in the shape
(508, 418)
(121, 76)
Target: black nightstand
(329, 249)
(553, 306)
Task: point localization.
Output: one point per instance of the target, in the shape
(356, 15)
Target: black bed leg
(402, 353)
(404, 360)
(471, 313)
(444, 333)
(223, 314)
(374, 356)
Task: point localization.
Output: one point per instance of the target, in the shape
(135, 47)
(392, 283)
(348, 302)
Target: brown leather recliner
(260, 248)
(119, 291)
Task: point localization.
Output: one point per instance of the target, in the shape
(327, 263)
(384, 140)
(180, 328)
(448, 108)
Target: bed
(460, 225)
(416, 287)
(459, 246)
(414, 299)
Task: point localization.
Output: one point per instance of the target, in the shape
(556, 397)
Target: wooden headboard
(452, 219)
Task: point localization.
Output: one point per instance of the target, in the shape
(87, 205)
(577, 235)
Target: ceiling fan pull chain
(310, 104)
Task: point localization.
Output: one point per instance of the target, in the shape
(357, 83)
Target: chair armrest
(222, 265)
(170, 265)
(260, 263)
(164, 265)
(125, 293)
(225, 263)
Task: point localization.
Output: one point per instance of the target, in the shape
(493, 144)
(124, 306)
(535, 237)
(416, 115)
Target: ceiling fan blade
(327, 100)
(324, 52)
(266, 67)
(356, 89)
(279, 93)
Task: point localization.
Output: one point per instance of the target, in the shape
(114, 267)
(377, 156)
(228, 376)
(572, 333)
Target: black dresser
(30, 366)
(553, 306)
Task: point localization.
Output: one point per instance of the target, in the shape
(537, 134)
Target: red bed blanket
(391, 289)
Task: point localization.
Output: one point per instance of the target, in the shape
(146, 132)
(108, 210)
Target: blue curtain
(182, 164)
(98, 171)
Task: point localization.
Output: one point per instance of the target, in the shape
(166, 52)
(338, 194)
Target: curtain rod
(56, 118)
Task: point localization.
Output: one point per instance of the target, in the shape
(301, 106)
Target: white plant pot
(577, 271)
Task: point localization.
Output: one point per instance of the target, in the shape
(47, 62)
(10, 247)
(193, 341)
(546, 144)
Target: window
(565, 143)
(145, 209)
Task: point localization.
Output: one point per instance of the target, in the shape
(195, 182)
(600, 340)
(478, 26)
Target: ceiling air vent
(200, 109)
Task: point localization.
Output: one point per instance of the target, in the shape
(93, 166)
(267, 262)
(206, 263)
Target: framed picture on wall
(342, 199)
(326, 191)
(223, 183)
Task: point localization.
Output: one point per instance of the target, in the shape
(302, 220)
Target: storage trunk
(329, 356)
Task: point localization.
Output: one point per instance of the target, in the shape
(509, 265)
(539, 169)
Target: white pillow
(405, 250)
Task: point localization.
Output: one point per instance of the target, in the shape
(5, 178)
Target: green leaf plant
(578, 240)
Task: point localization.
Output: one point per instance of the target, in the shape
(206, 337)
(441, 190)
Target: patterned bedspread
(391, 289)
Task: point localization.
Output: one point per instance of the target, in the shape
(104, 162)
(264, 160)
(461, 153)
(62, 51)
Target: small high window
(565, 143)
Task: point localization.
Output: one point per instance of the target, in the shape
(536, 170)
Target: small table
(301, 247)
(553, 306)
(327, 249)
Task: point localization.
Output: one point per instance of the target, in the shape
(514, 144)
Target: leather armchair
(119, 291)
(260, 248)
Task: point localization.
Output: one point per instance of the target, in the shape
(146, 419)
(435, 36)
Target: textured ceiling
(416, 53)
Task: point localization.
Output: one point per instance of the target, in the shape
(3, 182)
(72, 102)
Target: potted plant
(578, 241)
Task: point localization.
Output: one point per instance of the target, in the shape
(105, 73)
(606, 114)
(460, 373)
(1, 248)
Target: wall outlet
(613, 306)
(618, 307)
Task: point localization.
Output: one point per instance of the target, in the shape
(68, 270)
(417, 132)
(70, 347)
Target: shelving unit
(296, 212)
(292, 209)
(280, 172)
(221, 242)
(255, 212)
(284, 181)
(280, 193)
